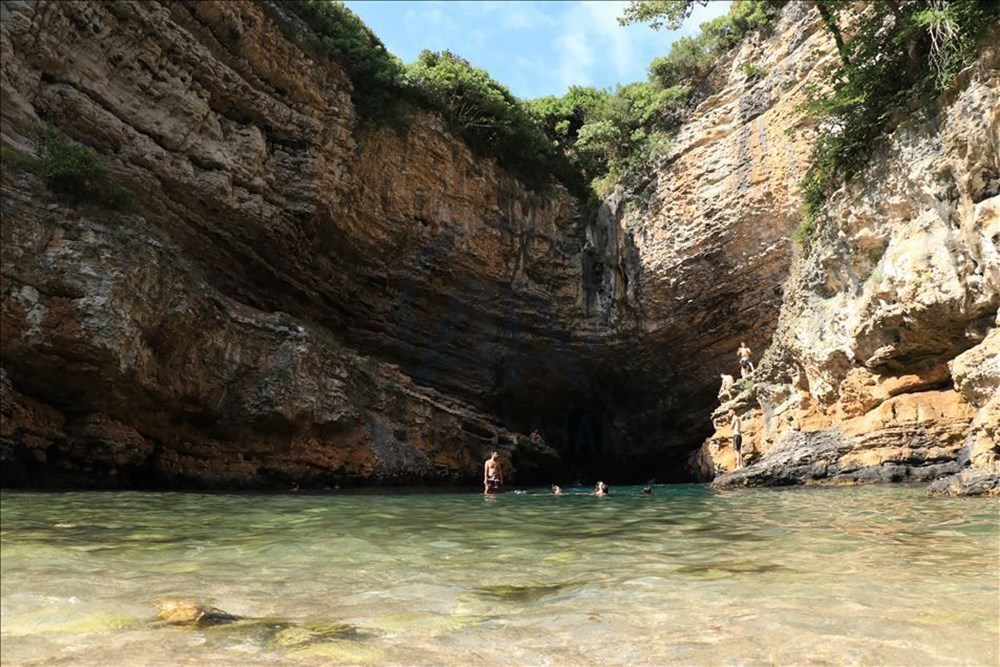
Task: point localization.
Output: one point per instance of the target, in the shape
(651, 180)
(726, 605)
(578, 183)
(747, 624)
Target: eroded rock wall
(886, 362)
(297, 299)
(231, 332)
(703, 248)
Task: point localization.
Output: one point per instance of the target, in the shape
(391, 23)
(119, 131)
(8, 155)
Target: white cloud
(536, 48)
(615, 39)
(591, 33)
(433, 21)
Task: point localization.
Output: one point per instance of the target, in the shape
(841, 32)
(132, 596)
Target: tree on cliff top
(608, 136)
(893, 56)
(491, 121)
(669, 14)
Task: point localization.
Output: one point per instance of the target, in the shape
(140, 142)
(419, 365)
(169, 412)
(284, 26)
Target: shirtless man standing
(744, 354)
(492, 474)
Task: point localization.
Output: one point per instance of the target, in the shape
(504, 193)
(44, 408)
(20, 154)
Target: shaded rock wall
(151, 377)
(231, 331)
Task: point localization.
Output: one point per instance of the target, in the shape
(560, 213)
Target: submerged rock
(186, 612)
(295, 636)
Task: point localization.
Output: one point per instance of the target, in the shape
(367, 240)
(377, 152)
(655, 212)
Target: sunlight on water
(865, 576)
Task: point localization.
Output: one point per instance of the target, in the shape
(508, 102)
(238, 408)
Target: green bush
(376, 75)
(76, 172)
(805, 232)
(623, 133)
(483, 112)
(689, 60)
(900, 55)
(487, 116)
(753, 71)
(587, 138)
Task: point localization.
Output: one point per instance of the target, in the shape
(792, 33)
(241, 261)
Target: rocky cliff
(885, 365)
(298, 299)
(703, 246)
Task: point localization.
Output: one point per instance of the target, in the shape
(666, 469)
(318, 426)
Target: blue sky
(534, 48)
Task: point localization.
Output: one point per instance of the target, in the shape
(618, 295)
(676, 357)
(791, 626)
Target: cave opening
(601, 437)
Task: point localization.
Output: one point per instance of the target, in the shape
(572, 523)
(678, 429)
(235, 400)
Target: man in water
(492, 475)
(734, 421)
(744, 354)
(601, 489)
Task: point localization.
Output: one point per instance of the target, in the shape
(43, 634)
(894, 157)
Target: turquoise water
(868, 576)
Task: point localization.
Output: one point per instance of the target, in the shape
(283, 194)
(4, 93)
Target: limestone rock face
(888, 331)
(172, 382)
(300, 299)
(295, 301)
(702, 249)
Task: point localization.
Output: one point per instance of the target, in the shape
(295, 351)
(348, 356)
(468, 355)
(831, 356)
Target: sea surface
(688, 576)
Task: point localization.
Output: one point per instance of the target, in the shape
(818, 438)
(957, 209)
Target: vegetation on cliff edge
(895, 55)
(488, 117)
(72, 171)
(589, 139)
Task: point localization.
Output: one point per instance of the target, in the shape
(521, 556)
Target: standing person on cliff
(736, 424)
(744, 354)
(492, 474)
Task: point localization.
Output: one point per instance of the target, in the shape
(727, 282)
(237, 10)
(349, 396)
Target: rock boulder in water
(186, 612)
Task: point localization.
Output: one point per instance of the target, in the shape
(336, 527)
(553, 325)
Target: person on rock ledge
(734, 422)
(727, 385)
(744, 354)
(492, 475)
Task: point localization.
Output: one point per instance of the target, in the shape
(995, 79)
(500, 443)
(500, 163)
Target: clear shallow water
(869, 576)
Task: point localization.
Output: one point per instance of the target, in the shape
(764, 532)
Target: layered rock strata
(299, 299)
(886, 361)
(703, 246)
(232, 332)
(153, 378)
